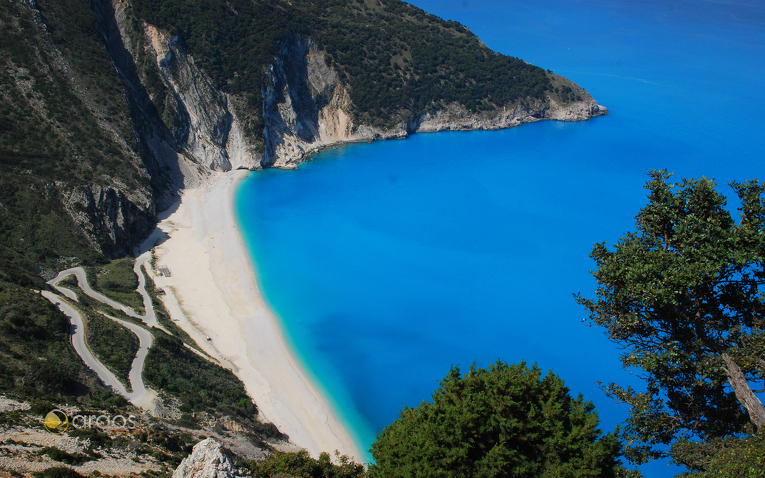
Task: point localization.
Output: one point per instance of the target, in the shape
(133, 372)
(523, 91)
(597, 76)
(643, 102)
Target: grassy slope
(37, 361)
(114, 345)
(200, 385)
(117, 280)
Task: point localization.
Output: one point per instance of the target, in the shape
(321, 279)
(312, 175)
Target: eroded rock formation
(207, 460)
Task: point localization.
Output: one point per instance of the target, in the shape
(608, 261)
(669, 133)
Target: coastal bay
(389, 262)
(344, 289)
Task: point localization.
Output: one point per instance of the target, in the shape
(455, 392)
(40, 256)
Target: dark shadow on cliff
(156, 143)
(289, 72)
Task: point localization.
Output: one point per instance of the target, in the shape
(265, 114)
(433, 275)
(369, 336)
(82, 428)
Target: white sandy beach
(213, 292)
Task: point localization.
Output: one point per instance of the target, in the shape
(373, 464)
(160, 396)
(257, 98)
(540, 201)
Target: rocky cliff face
(133, 118)
(205, 127)
(456, 117)
(185, 127)
(112, 220)
(183, 124)
(207, 460)
(307, 107)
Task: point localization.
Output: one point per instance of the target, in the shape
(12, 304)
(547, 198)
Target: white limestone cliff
(207, 460)
(206, 127)
(185, 127)
(307, 107)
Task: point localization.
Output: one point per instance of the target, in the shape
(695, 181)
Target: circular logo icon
(56, 422)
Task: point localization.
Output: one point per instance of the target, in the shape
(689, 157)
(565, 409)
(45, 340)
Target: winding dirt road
(78, 340)
(140, 396)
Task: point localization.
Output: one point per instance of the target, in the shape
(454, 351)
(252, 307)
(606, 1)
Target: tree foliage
(508, 420)
(683, 296)
(728, 458)
(199, 385)
(300, 465)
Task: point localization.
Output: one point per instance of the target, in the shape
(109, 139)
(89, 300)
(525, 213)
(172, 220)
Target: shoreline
(212, 292)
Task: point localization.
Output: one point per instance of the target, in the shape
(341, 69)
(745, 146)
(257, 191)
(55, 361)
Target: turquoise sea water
(387, 263)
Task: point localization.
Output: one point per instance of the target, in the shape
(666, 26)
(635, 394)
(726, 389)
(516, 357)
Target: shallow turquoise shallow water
(388, 262)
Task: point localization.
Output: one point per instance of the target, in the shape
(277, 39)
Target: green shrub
(57, 472)
(117, 280)
(301, 465)
(114, 345)
(200, 386)
(737, 458)
(60, 455)
(505, 421)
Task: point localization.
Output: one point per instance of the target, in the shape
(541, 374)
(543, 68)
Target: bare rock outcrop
(207, 460)
(306, 107)
(112, 220)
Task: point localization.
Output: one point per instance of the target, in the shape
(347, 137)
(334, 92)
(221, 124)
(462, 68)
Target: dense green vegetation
(301, 465)
(113, 345)
(117, 280)
(64, 457)
(199, 385)
(399, 60)
(45, 127)
(740, 458)
(509, 420)
(37, 361)
(52, 137)
(396, 57)
(57, 472)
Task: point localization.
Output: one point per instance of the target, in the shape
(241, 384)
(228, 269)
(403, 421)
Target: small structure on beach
(159, 291)
(163, 271)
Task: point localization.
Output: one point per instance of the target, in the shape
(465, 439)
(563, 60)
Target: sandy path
(212, 293)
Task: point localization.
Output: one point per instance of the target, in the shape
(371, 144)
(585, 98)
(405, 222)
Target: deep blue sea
(389, 262)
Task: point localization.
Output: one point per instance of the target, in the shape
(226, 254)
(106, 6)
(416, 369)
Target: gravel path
(78, 340)
(140, 396)
(150, 319)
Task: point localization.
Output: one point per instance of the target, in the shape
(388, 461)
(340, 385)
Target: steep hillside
(73, 186)
(73, 182)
